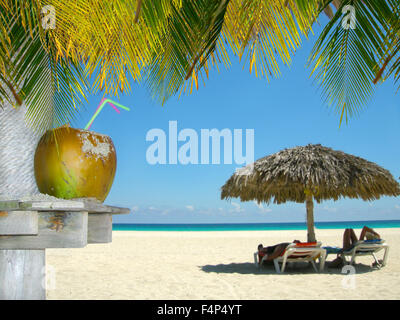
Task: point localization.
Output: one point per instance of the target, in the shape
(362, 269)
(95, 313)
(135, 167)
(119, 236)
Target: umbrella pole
(310, 218)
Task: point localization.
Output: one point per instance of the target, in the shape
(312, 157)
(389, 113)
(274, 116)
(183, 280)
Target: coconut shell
(72, 163)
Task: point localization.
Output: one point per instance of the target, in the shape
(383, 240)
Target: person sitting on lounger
(350, 240)
(272, 252)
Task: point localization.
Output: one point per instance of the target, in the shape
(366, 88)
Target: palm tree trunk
(310, 218)
(17, 147)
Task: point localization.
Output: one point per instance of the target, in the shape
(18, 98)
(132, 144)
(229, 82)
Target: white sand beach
(211, 265)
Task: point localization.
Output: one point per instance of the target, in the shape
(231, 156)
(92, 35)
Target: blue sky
(284, 113)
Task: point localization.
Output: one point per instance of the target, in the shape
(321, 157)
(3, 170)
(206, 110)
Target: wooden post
(310, 218)
(22, 275)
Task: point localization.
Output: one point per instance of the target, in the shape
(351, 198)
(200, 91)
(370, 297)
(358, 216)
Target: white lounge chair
(298, 252)
(367, 248)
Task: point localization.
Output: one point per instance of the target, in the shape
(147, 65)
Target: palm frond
(113, 42)
(268, 31)
(51, 87)
(263, 31)
(189, 40)
(173, 44)
(390, 60)
(344, 58)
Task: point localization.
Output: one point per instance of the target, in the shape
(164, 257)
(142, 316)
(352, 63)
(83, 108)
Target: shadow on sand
(296, 268)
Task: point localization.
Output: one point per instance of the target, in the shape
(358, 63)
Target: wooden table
(27, 228)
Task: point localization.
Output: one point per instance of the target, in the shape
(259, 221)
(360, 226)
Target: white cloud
(134, 209)
(261, 207)
(190, 208)
(237, 207)
(397, 207)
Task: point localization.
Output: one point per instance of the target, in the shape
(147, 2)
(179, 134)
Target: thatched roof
(328, 174)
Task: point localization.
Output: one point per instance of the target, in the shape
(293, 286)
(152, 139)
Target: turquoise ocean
(255, 226)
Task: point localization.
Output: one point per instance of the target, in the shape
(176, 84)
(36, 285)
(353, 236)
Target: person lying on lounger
(350, 240)
(272, 252)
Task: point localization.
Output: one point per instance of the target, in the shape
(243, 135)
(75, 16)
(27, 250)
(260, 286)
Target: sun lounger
(297, 252)
(367, 248)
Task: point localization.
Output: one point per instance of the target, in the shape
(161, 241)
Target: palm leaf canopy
(291, 174)
(104, 45)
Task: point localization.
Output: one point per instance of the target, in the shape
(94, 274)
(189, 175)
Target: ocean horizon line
(253, 226)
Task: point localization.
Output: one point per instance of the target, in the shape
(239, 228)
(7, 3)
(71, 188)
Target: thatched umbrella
(312, 172)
